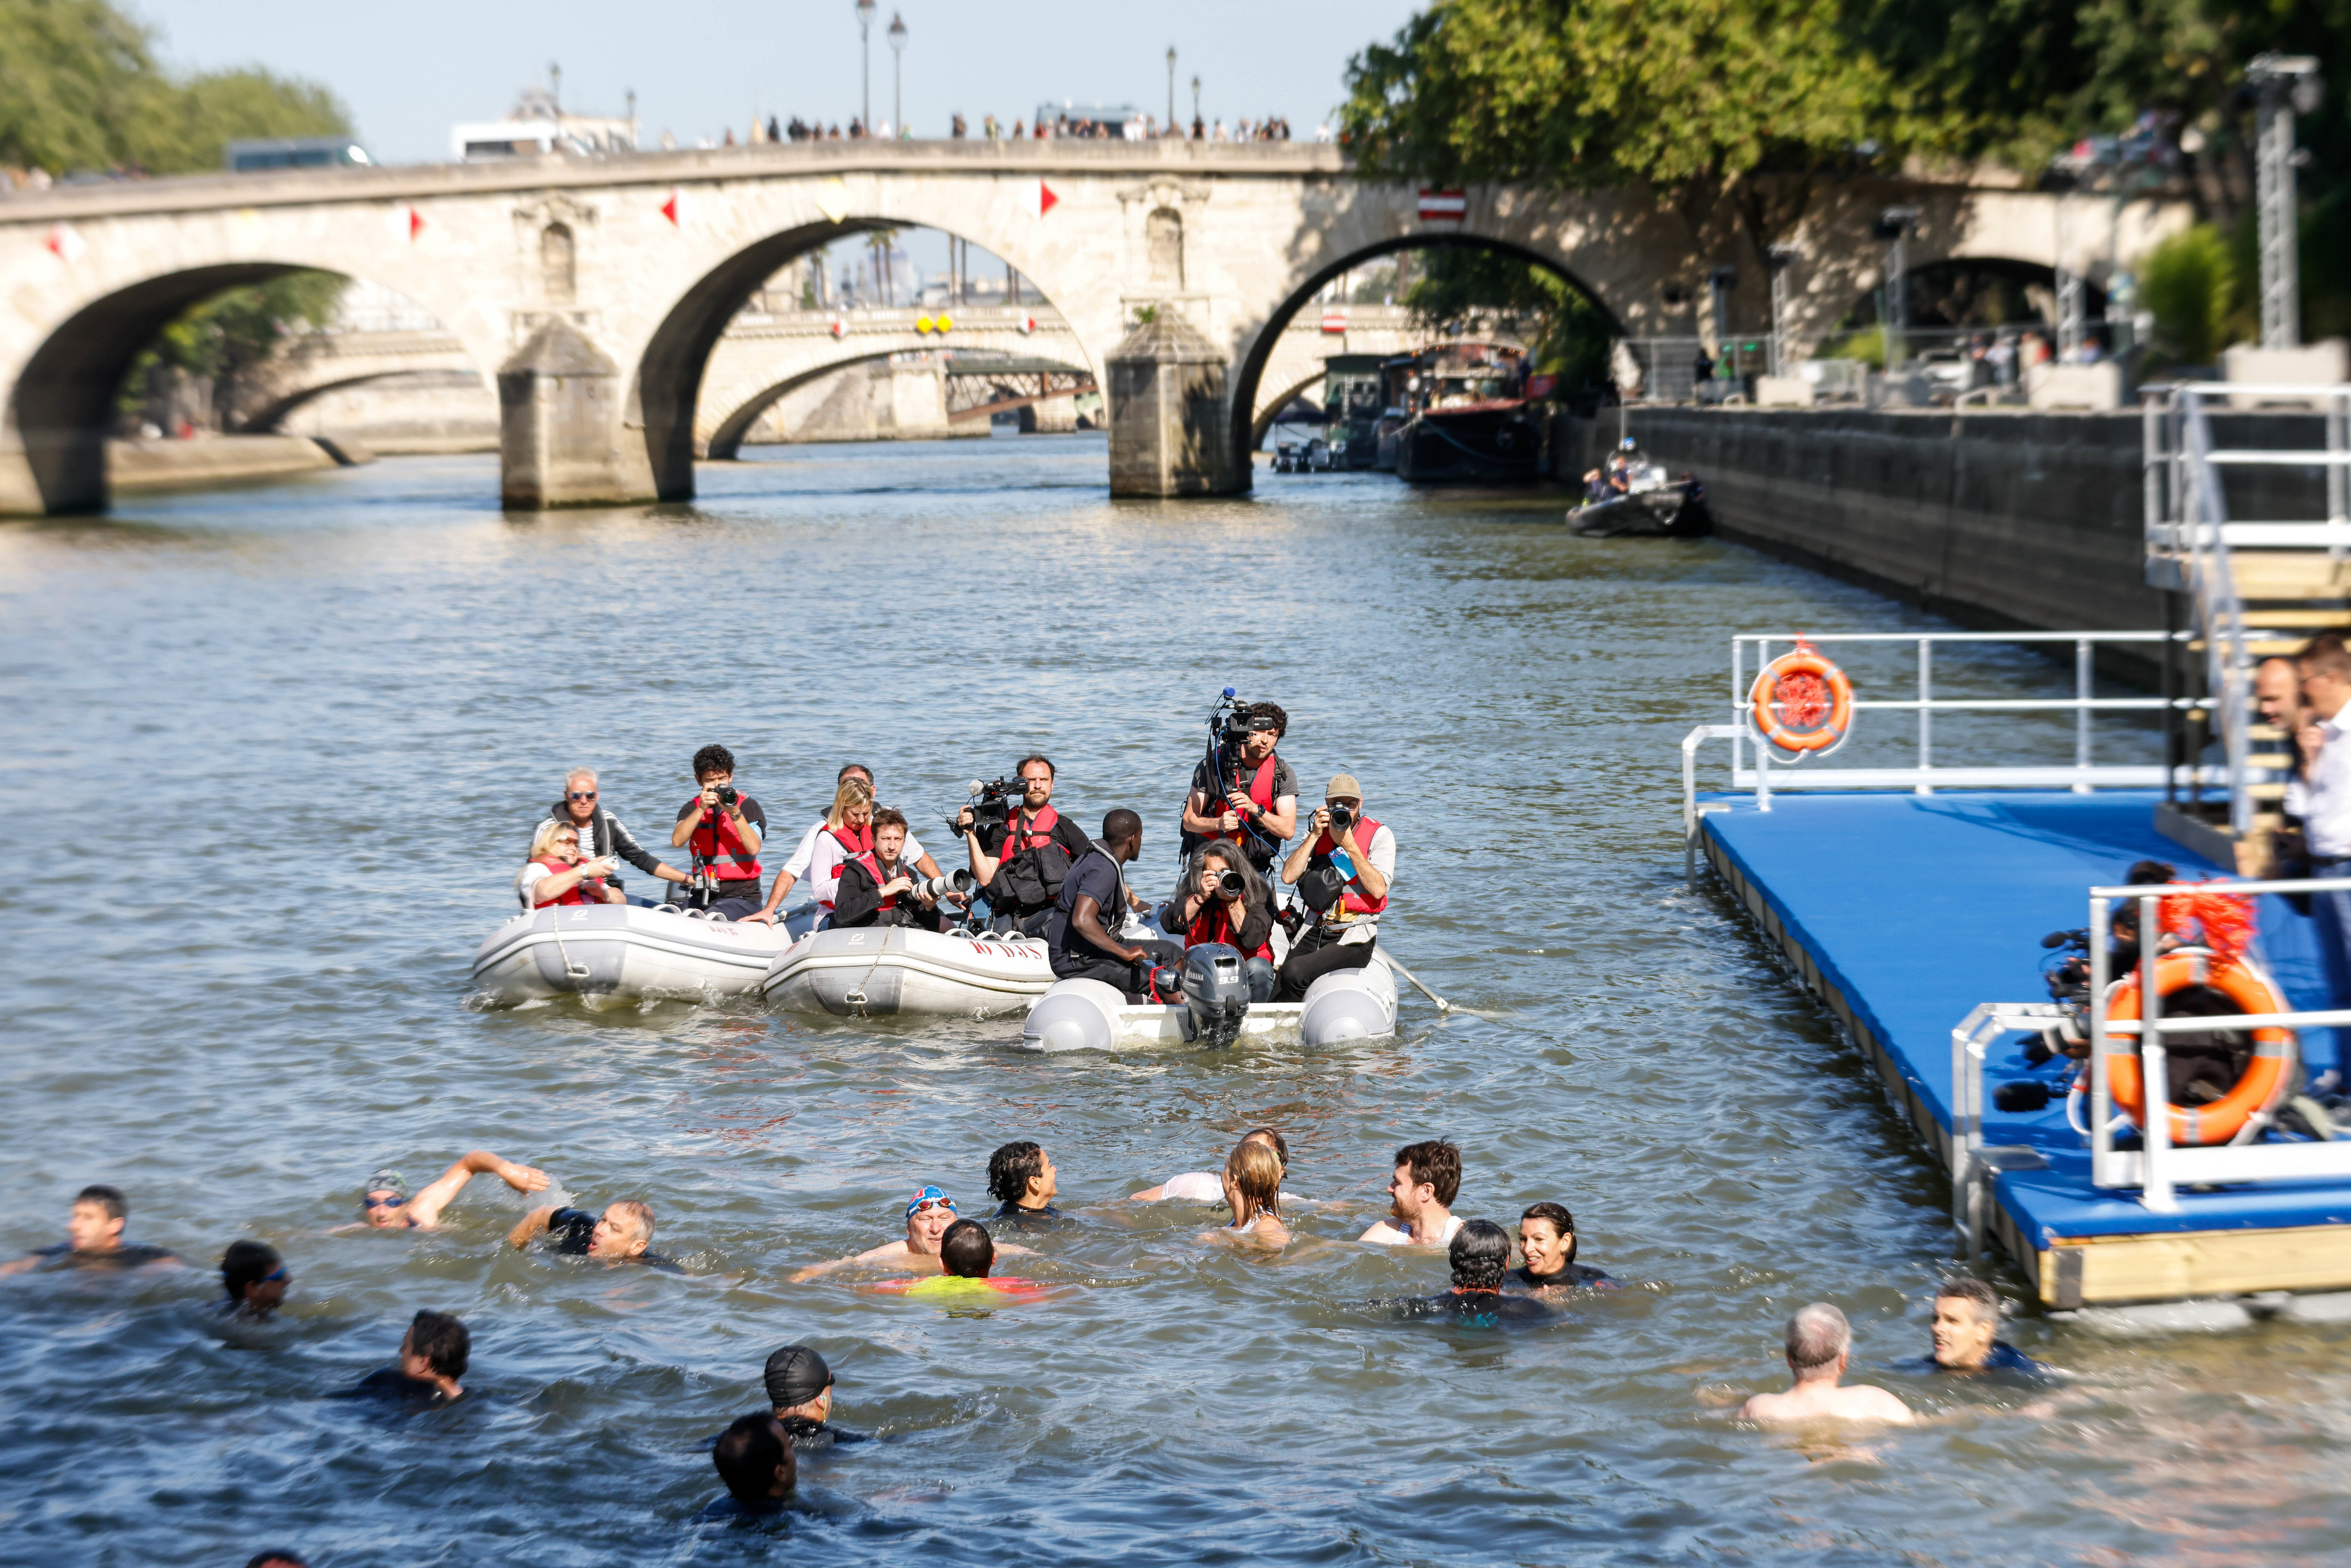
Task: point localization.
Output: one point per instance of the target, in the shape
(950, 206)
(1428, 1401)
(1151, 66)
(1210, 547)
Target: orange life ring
(2267, 1078)
(1801, 702)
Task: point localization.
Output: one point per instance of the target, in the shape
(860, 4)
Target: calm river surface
(271, 759)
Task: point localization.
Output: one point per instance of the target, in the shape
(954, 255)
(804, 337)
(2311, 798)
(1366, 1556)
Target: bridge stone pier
(593, 291)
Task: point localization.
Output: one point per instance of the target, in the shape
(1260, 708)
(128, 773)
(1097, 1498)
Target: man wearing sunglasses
(928, 1214)
(601, 836)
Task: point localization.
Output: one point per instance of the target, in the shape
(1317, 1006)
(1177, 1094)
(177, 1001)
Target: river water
(272, 756)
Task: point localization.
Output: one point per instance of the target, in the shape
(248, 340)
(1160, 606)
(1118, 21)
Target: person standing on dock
(2322, 798)
(1819, 1346)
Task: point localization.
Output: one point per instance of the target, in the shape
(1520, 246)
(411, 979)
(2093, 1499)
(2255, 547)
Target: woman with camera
(556, 873)
(1223, 899)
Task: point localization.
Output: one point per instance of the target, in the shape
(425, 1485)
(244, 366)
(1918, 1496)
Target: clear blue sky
(411, 70)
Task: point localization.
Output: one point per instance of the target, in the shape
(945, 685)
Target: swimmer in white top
(1208, 1187)
(1428, 1177)
(1253, 1189)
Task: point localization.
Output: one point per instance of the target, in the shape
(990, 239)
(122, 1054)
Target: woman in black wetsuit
(1546, 1236)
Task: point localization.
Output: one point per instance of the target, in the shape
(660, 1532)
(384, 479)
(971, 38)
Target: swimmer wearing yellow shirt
(966, 1253)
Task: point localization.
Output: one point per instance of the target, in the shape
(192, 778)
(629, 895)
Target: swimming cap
(387, 1181)
(930, 1195)
(796, 1374)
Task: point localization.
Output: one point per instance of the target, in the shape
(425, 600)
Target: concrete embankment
(1993, 519)
(143, 465)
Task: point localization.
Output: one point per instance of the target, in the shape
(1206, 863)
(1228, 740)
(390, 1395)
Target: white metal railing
(2190, 536)
(2157, 1168)
(1762, 774)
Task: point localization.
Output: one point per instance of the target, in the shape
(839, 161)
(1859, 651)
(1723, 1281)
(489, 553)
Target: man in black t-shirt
(1250, 796)
(620, 1236)
(1021, 864)
(1080, 938)
(94, 1240)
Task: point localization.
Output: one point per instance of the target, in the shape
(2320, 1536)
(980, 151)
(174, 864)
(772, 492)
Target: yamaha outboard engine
(1216, 993)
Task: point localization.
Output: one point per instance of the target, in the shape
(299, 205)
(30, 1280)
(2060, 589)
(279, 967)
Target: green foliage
(1565, 332)
(227, 335)
(1695, 97)
(80, 90)
(2191, 283)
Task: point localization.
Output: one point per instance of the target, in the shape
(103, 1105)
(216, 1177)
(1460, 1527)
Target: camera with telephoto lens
(1343, 817)
(991, 806)
(940, 886)
(1230, 883)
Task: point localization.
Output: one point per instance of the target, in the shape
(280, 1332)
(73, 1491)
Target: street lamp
(898, 73)
(1196, 100)
(2284, 84)
(1171, 89)
(866, 47)
(1892, 224)
(1777, 260)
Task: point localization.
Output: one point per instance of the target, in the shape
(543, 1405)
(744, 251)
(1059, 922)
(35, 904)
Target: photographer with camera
(601, 835)
(557, 875)
(723, 826)
(1223, 899)
(1343, 871)
(805, 863)
(1079, 937)
(1243, 791)
(1021, 852)
(878, 887)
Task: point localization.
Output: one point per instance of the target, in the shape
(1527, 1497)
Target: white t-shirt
(529, 877)
(818, 863)
(1202, 1187)
(1452, 1224)
(2322, 797)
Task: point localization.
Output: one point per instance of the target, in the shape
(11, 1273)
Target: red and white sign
(415, 225)
(840, 327)
(1335, 318)
(1027, 324)
(1046, 201)
(674, 208)
(64, 243)
(1444, 207)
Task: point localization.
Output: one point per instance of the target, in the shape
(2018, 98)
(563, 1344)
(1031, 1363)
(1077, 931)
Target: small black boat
(1632, 498)
(1471, 420)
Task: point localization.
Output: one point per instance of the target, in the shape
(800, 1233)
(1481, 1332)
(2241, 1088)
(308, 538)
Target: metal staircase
(2253, 588)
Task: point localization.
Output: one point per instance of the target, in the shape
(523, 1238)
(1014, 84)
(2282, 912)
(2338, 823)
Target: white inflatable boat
(1087, 1015)
(609, 953)
(878, 971)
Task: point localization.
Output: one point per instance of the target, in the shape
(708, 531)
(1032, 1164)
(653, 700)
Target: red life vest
(856, 844)
(1212, 924)
(872, 865)
(1035, 836)
(1030, 863)
(1354, 903)
(572, 894)
(1260, 789)
(716, 844)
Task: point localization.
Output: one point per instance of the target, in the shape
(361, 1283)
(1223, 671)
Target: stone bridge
(594, 291)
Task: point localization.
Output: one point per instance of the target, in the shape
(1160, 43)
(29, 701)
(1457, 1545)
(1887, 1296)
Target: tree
(1706, 101)
(1458, 286)
(74, 76)
(186, 128)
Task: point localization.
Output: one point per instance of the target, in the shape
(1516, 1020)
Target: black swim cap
(796, 1374)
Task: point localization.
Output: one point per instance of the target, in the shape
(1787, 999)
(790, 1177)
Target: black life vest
(1031, 865)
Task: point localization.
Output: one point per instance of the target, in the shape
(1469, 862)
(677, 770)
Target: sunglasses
(580, 794)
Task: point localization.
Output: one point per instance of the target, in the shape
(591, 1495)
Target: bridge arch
(1248, 430)
(742, 410)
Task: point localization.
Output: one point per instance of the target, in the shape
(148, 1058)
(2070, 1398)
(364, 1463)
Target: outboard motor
(1216, 993)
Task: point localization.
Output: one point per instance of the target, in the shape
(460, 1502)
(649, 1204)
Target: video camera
(992, 806)
(1232, 721)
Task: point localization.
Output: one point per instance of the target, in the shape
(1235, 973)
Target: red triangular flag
(1045, 198)
(668, 209)
(415, 222)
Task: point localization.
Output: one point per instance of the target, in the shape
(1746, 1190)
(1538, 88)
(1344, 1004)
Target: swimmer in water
(94, 1240)
(254, 1277)
(1967, 1333)
(1819, 1346)
(386, 1205)
(433, 1354)
(1022, 1177)
(1421, 1193)
(1546, 1236)
(966, 1254)
(928, 1216)
(1480, 1254)
(1208, 1187)
(620, 1236)
(756, 1462)
(800, 1387)
(1253, 1192)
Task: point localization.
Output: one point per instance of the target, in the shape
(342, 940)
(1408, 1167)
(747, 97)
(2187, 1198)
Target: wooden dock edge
(2070, 1273)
